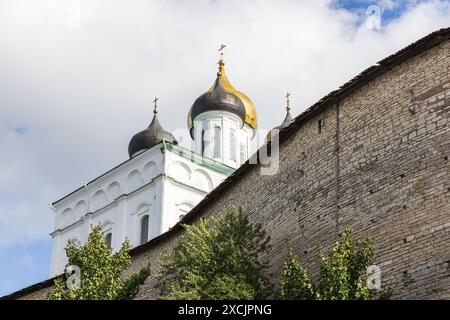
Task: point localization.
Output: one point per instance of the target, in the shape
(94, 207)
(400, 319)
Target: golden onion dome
(222, 79)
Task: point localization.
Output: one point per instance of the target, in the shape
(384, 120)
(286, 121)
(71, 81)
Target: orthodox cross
(288, 107)
(155, 106)
(222, 46)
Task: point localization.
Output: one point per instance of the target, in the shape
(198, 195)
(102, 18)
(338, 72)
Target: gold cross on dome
(222, 46)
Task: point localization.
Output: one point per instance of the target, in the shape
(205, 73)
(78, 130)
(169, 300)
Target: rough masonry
(379, 163)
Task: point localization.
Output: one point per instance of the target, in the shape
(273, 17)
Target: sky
(78, 77)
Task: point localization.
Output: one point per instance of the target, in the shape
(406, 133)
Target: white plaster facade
(164, 182)
(149, 193)
(223, 136)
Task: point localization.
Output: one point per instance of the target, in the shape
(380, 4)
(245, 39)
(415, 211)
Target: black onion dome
(218, 99)
(150, 137)
(221, 84)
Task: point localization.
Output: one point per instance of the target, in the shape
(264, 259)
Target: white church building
(161, 181)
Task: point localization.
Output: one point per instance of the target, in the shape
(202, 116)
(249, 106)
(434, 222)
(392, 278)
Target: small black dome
(150, 137)
(218, 99)
(286, 122)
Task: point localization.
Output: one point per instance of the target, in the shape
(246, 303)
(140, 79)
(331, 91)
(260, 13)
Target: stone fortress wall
(379, 164)
(372, 155)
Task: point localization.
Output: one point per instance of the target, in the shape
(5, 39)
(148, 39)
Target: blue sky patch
(390, 9)
(18, 131)
(22, 265)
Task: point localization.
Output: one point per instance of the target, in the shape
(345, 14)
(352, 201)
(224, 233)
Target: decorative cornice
(105, 176)
(125, 196)
(198, 159)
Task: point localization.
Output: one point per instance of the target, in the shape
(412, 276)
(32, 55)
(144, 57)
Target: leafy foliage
(342, 273)
(295, 281)
(100, 271)
(217, 258)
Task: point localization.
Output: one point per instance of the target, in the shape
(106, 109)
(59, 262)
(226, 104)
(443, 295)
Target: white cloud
(82, 80)
(389, 4)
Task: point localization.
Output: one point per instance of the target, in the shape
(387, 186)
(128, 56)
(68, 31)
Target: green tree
(217, 258)
(295, 282)
(343, 273)
(100, 272)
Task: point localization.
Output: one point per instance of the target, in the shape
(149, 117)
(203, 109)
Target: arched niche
(80, 208)
(67, 212)
(134, 180)
(114, 190)
(150, 171)
(180, 171)
(99, 200)
(201, 180)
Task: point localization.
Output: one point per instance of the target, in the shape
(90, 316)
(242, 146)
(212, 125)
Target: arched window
(144, 229)
(203, 142)
(108, 239)
(233, 144)
(217, 142)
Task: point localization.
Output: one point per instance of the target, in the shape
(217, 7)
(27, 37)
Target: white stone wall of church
(147, 201)
(121, 218)
(245, 140)
(111, 200)
(124, 179)
(178, 200)
(227, 122)
(163, 185)
(186, 184)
